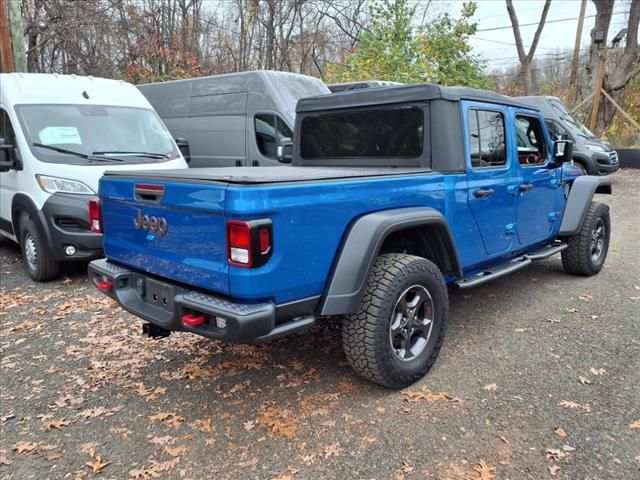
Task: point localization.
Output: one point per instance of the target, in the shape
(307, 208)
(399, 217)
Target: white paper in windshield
(58, 135)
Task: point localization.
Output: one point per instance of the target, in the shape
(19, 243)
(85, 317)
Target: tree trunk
(621, 66)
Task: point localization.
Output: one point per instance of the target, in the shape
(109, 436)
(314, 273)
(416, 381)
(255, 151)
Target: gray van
(235, 119)
(592, 155)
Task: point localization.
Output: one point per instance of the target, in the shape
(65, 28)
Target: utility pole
(16, 30)
(576, 51)
(6, 53)
(598, 91)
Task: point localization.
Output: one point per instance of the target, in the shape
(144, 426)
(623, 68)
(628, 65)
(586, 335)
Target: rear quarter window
(380, 133)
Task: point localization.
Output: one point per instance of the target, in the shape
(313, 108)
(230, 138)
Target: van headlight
(63, 185)
(595, 148)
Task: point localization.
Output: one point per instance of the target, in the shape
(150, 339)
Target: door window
(6, 130)
(487, 139)
(532, 148)
(270, 129)
(558, 132)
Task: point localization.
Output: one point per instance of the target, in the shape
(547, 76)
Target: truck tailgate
(173, 230)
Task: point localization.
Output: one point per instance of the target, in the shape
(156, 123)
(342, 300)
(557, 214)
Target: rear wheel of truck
(588, 248)
(396, 336)
(34, 253)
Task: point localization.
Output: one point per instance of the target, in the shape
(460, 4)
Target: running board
(503, 269)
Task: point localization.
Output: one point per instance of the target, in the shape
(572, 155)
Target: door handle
(256, 163)
(484, 192)
(238, 163)
(526, 186)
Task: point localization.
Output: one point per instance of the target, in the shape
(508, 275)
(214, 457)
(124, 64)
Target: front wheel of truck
(588, 248)
(396, 336)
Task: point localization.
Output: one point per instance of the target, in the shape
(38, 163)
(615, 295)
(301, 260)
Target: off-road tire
(365, 334)
(577, 258)
(44, 268)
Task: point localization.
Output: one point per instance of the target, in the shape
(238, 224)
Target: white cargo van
(58, 134)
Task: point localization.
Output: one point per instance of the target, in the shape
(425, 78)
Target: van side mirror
(183, 146)
(563, 151)
(8, 160)
(285, 150)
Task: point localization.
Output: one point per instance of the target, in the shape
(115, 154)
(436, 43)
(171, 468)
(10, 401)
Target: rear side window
(6, 130)
(532, 147)
(487, 144)
(270, 129)
(367, 134)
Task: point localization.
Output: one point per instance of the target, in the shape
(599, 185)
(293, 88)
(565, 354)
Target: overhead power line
(537, 23)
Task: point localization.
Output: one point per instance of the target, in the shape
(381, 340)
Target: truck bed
(265, 175)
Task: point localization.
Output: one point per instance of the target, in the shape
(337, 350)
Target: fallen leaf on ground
(204, 425)
(555, 454)
(170, 420)
(425, 394)
(491, 387)
(635, 425)
(49, 423)
(278, 421)
(177, 451)
(574, 405)
(26, 447)
(332, 450)
(559, 431)
(597, 372)
(486, 471)
(584, 380)
(97, 465)
(553, 469)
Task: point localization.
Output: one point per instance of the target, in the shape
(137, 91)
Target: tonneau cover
(262, 175)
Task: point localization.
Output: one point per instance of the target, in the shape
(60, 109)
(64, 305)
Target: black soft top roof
(404, 93)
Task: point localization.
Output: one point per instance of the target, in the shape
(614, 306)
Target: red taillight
(95, 216)
(239, 240)
(249, 244)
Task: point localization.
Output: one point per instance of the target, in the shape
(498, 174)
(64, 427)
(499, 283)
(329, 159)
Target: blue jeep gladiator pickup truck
(393, 195)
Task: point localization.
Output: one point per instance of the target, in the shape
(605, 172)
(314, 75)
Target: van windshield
(64, 133)
(571, 122)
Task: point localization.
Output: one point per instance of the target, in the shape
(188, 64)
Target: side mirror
(183, 146)
(7, 156)
(285, 150)
(563, 151)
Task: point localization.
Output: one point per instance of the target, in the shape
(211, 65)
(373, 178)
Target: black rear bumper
(166, 304)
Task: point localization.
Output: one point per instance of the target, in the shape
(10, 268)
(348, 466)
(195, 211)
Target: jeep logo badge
(151, 224)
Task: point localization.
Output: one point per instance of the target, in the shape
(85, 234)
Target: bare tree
(527, 58)
(622, 64)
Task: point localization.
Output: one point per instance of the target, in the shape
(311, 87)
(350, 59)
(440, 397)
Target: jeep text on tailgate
(393, 194)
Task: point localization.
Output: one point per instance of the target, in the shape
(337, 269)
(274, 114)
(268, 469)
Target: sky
(498, 46)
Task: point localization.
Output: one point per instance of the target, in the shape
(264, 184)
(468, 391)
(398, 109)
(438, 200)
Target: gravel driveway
(539, 377)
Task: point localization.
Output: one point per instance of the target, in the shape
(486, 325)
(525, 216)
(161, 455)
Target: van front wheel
(40, 266)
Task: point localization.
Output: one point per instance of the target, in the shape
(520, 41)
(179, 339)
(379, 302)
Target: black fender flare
(361, 245)
(589, 163)
(22, 203)
(579, 200)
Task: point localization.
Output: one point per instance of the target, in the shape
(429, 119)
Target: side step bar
(503, 269)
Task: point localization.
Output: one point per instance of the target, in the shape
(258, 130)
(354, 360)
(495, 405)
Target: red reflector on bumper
(192, 321)
(105, 286)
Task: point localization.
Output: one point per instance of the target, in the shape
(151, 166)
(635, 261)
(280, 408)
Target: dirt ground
(539, 377)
